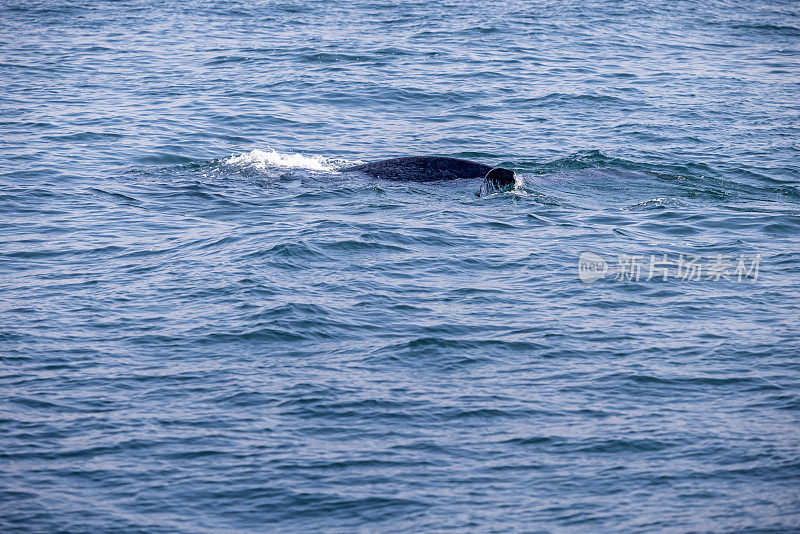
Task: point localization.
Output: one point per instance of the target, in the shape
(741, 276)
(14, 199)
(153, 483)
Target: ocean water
(207, 326)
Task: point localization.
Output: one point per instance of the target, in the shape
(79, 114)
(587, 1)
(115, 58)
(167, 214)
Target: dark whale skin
(422, 168)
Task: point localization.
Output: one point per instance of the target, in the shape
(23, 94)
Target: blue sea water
(206, 326)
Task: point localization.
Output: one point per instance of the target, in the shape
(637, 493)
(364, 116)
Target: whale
(436, 168)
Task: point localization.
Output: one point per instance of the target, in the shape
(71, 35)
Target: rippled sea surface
(207, 326)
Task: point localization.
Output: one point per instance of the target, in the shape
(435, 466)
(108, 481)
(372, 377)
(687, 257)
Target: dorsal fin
(497, 179)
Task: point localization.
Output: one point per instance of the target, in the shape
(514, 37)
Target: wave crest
(264, 159)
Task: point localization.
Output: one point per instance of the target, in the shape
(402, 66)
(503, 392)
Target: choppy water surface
(206, 327)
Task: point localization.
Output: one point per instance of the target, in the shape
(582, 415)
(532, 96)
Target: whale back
(423, 168)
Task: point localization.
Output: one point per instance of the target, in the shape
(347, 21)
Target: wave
(264, 159)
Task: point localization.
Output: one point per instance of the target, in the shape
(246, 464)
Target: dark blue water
(206, 327)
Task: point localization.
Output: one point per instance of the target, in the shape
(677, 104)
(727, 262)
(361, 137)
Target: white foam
(263, 159)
